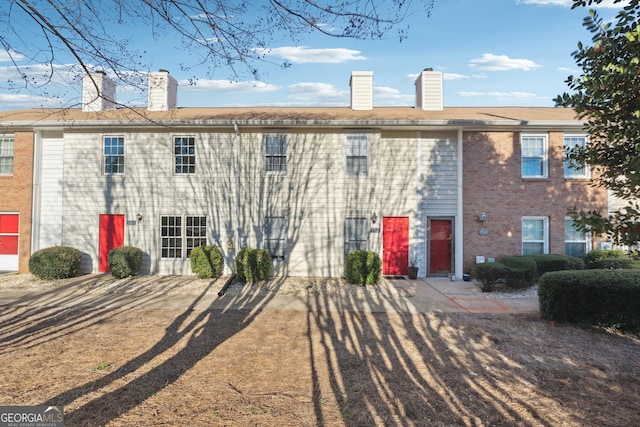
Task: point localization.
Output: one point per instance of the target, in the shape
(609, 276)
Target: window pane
(570, 169)
(575, 249)
(113, 155)
(570, 232)
(356, 234)
(532, 248)
(532, 166)
(184, 149)
(533, 229)
(6, 155)
(171, 237)
(356, 150)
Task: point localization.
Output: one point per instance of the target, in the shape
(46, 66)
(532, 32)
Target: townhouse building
(441, 188)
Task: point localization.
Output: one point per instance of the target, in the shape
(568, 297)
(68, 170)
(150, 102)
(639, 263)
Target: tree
(234, 34)
(607, 96)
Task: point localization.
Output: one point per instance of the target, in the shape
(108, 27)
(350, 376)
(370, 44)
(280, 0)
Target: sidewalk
(412, 296)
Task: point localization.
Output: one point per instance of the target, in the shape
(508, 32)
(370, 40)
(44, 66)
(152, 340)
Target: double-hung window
(576, 243)
(534, 156)
(535, 235)
(275, 154)
(113, 155)
(571, 169)
(356, 235)
(180, 234)
(6, 155)
(356, 155)
(275, 233)
(184, 155)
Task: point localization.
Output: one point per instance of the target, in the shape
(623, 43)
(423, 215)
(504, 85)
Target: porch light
(374, 217)
(139, 217)
(482, 217)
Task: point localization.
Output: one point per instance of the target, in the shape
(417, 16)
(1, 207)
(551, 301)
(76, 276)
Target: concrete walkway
(412, 296)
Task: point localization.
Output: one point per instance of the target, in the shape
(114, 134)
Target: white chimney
(429, 90)
(361, 90)
(98, 92)
(162, 93)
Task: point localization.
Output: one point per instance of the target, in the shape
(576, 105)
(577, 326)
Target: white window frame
(544, 241)
(269, 158)
(349, 139)
(586, 170)
(182, 156)
(280, 239)
(7, 154)
(180, 239)
(120, 156)
(586, 241)
(543, 156)
(351, 241)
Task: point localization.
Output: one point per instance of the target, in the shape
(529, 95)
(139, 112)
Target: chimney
(98, 92)
(429, 90)
(361, 90)
(162, 94)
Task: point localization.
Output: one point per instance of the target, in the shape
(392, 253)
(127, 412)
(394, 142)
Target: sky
(491, 53)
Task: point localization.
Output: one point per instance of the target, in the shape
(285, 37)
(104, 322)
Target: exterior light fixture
(374, 217)
(139, 217)
(482, 217)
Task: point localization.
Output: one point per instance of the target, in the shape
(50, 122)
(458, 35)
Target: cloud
(11, 56)
(9, 101)
(227, 86)
(501, 95)
(491, 62)
(606, 4)
(318, 93)
(454, 76)
(305, 55)
(383, 95)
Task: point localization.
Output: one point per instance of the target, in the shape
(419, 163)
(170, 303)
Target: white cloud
(501, 95)
(10, 101)
(491, 62)
(205, 85)
(317, 93)
(568, 3)
(305, 55)
(454, 76)
(383, 95)
(11, 56)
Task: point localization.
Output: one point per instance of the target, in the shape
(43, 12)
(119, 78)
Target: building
(439, 187)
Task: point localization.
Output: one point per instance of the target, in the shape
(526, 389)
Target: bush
(608, 298)
(599, 254)
(207, 261)
(56, 262)
(615, 263)
(521, 271)
(489, 275)
(362, 267)
(252, 265)
(546, 263)
(124, 261)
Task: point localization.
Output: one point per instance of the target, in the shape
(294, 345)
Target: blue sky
(492, 53)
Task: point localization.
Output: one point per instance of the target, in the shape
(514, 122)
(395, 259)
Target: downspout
(238, 238)
(459, 210)
(35, 195)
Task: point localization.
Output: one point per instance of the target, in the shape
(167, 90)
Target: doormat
(395, 277)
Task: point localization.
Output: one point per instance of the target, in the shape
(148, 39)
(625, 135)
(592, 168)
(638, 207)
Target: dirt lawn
(266, 367)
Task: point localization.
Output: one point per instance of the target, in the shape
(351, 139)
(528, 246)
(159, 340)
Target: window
(356, 235)
(275, 153)
(572, 170)
(177, 242)
(113, 155)
(535, 235)
(356, 154)
(576, 243)
(534, 156)
(6, 155)
(275, 233)
(184, 151)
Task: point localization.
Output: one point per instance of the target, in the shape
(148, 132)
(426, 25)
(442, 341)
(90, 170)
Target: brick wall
(492, 183)
(17, 192)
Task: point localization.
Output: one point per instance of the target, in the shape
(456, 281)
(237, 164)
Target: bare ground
(265, 367)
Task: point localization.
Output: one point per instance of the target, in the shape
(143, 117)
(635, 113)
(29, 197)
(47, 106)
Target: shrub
(521, 271)
(252, 265)
(56, 262)
(489, 275)
(207, 261)
(362, 267)
(599, 297)
(555, 262)
(124, 261)
(615, 263)
(599, 254)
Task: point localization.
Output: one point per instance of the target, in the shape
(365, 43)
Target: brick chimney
(361, 90)
(162, 93)
(429, 90)
(98, 92)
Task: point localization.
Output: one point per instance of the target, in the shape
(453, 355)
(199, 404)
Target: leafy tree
(234, 34)
(606, 95)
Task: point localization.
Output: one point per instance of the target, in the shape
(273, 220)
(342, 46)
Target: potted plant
(412, 270)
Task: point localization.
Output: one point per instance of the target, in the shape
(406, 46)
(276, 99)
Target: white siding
(429, 93)
(361, 90)
(51, 182)
(162, 92)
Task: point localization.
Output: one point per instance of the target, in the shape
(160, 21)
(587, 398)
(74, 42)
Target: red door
(9, 234)
(440, 246)
(111, 236)
(395, 245)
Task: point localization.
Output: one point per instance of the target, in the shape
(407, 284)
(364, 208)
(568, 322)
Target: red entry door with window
(111, 236)
(440, 243)
(395, 245)
(9, 234)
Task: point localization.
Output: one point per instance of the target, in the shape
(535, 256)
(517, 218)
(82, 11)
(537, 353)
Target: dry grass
(124, 367)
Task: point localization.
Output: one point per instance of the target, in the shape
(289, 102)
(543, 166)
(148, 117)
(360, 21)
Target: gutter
(227, 284)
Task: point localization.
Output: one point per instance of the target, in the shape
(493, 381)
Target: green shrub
(555, 262)
(599, 297)
(521, 270)
(56, 262)
(362, 267)
(598, 254)
(252, 265)
(489, 275)
(207, 262)
(615, 263)
(124, 261)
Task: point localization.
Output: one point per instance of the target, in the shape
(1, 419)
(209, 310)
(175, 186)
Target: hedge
(599, 297)
(124, 261)
(598, 254)
(363, 267)
(546, 263)
(56, 262)
(252, 265)
(521, 271)
(615, 263)
(489, 274)
(207, 262)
